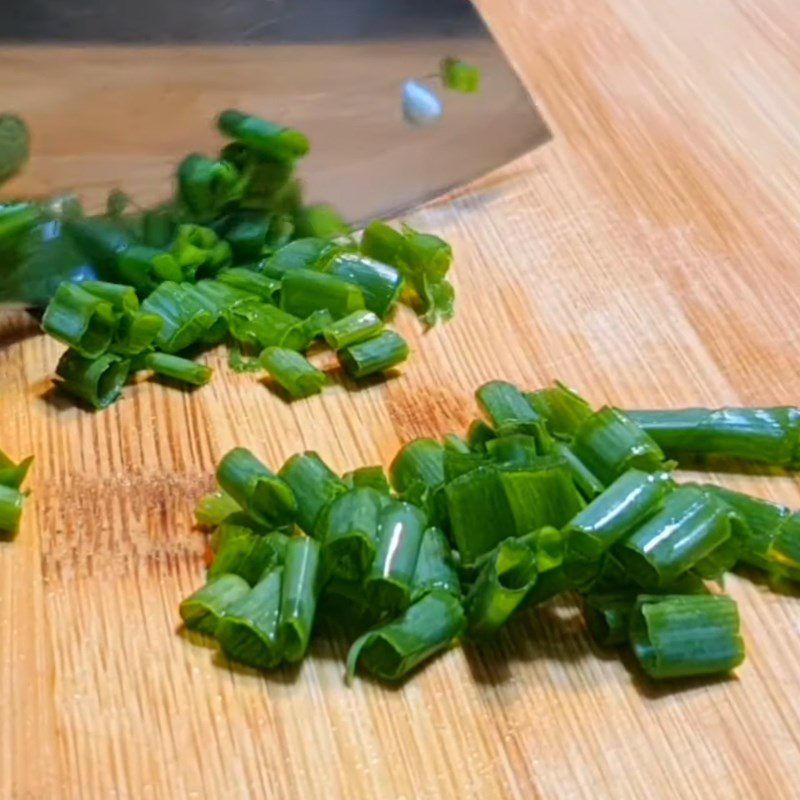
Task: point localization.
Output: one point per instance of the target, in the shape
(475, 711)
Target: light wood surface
(649, 256)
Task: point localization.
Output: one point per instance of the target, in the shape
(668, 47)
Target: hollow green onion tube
(305, 253)
(314, 484)
(293, 372)
(627, 503)
(136, 332)
(769, 435)
(458, 464)
(352, 329)
(11, 502)
(510, 412)
(479, 434)
(304, 291)
(690, 525)
(418, 470)
(549, 546)
(427, 627)
(589, 485)
(389, 582)
(121, 297)
(97, 381)
(679, 636)
(202, 610)
(459, 76)
(515, 449)
(299, 596)
(609, 443)
(262, 325)
(608, 617)
(436, 568)
(260, 136)
(349, 533)
(246, 552)
(502, 584)
(382, 352)
(79, 319)
(379, 283)
(382, 242)
(145, 267)
(249, 632)
(250, 281)
(179, 369)
(206, 186)
(214, 508)
(12, 473)
(368, 477)
(563, 410)
(185, 318)
(266, 497)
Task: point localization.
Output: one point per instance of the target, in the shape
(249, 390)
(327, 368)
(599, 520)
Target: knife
(146, 79)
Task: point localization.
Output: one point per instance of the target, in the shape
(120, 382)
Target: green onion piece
(238, 362)
(724, 557)
(304, 291)
(418, 470)
(246, 232)
(349, 533)
(185, 318)
(455, 444)
(202, 610)
(214, 508)
(12, 474)
(479, 434)
(389, 583)
(690, 525)
(245, 551)
(510, 412)
(206, 186)
(427, 627)
(382, 243)
(97, 381)
(546, 586)
(515, 449)
(458, 464)
(263, 325)
(293, 372)
(678, 636)
(379, 283)
(589, 485)
(436, 567)
(299, 254)
(145, 267)
(610, 443)
(425, 260)
(14, 145)
(320, 221)
(460, 76)
(199, 252)
(633, 498)
(250, 281)
(353, 328)
(218, 295)
(368, 478)
(563, 409)
(315, 324)
(260, 136)
(261, 493)
(11, 502)
(179, 369)
(784, 550)
(549, 546)
(299, 596)
(79, 319)
(378, 354)
(121, 298)
(608, 617)
(136, 333)
(502, 584)
(769, 435)
(314, 484)
(249, 632)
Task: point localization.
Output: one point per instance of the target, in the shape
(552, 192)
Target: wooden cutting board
(649, 256)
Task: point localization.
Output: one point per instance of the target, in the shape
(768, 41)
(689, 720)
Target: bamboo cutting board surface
(648, 256)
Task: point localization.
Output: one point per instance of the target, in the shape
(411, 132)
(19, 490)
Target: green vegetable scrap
(12, 497)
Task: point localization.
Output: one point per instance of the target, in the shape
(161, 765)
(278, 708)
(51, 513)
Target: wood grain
(649, 256)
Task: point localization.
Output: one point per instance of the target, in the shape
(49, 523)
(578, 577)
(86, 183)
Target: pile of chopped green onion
(544, 496)
(236, 258)
(12, 498)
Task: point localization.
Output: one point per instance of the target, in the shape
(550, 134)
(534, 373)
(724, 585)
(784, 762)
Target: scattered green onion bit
(459, 76)
(179, 369)
(80, 319)
(352, 329)
(97, 381)
(293, 372)
(299, 596)
(203, 610)
(314, 485)
(382, 352)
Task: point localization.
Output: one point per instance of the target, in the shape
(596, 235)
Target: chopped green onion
(455, 443)
(11, 473)
(418, 470)
(293, 372)
(460, 76)
(379, 283)
(315, 324)
(479, 434)
(353, 328)
(510, 412)
(145, 267)
(378, 354)
(400, 530)
(320, 221)
(246, 552)
(203, 609)
(263, 495)
(608, 617)
(515, 449)
(14, 145)
(563, 409)
(136, 333)
(250, 281)
(80, 319)
(98, 381)
(122, 298)
(549, 546)
(436, 567)
(266, 138)
(199, 252)
(185, 318)
(206, 186)
(179, 369)
(246, 232)
(690, 525)
(382, 242)
(770, 435)
(304, 291)
(349, 533)
(299, 596)
(502, 584)
(214, 508)
(263, 325)
(609, 443)
(368, 477)
(249, 632)
(309, 253)
(314, 484)
(458, 464)
(11, 502)
(546, 586)
(589, 485)
(784, 550)
(678, 636)
(428, 626)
